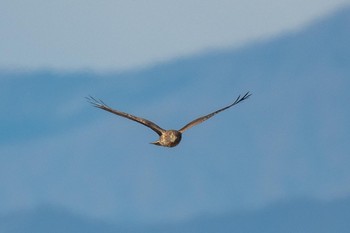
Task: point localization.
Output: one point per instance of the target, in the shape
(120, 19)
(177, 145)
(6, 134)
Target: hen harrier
(167, 138)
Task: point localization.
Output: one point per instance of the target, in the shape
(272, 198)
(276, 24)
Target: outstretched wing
(206, 117)
(100, 104)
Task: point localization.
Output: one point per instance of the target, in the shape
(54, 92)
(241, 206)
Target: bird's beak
(156, 143)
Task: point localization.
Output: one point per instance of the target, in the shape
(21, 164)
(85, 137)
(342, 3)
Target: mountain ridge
(301, 215)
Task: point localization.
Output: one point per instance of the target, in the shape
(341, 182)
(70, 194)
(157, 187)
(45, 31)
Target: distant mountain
(297, 216)
(290, 139)
(302, 216)
(50, 219)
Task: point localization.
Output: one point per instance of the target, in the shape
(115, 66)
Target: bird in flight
(167, 138)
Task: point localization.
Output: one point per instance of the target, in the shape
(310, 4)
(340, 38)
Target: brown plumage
(167, 138)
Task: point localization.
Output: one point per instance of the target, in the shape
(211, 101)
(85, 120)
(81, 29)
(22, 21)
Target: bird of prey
(167, 138)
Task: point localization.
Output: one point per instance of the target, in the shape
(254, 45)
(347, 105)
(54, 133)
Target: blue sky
(124, 34)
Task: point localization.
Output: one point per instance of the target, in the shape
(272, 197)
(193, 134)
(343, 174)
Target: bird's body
(167, 138)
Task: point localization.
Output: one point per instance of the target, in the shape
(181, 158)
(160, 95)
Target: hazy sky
(119, 34)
